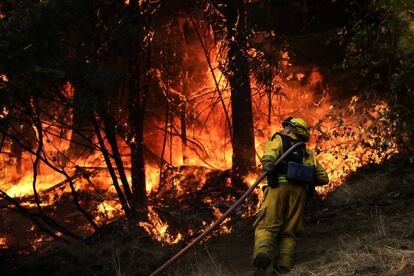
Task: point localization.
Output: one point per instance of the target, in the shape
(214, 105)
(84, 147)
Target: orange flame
(3, 243)
(349, 128)
(158, 229)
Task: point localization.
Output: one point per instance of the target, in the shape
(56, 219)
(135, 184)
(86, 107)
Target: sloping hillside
(366, 227)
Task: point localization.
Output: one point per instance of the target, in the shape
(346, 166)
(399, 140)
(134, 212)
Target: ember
(168, 136)
(3, 243)
(343, 136)
(159, 229)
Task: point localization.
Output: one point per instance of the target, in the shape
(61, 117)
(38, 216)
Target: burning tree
(140, 109)
(232, 15)
(67, 98)
(75, 96)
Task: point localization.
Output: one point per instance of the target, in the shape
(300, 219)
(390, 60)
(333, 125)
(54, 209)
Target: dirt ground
(366, 227)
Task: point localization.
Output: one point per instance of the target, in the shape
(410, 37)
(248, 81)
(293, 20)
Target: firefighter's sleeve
(272, 149)
(321, 175)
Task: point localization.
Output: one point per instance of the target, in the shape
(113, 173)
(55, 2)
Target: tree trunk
(137, 71)
(241, 103)
(137, 150)
(184, 131)
(82, 132)
(109, 126)
(138, 84)
(106, 155)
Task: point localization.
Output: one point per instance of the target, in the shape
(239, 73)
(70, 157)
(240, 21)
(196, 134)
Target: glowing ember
(38, 242)
(223, 227)
(3, 243)
(108, 210)
(345, 136)
(158, 229)
(3, 113)
(350, 147)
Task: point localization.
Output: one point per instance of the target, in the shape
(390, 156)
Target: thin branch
(111, 170)
(207, 56)
(23, 211)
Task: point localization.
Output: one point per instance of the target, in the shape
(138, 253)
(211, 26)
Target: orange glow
(223, 227)
(25, 185)
(3, 243)
(108, 210)
(68, 90)
(355, 135)
(158, 229)
(38, 242)
(3, 112)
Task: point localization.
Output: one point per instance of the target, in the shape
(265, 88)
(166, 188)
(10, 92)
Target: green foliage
(372, 39)
(379, 42)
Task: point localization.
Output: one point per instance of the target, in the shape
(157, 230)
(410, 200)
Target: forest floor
(365, 227)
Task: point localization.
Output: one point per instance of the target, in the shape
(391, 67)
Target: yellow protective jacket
(274, 148)
(281, 216)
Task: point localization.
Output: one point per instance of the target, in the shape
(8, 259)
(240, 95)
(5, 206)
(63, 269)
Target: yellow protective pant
(279, 221)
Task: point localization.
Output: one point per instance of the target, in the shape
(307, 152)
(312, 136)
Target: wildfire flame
(108, 210)
(346, 136)
(3, 243)
(159, 229)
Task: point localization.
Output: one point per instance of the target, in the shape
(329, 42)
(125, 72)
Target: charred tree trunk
(138, 84)
(241, 102)
(164, 142)
(82, 129)
(18, 154)
(184, 132)
(106, 155)
(269, 90)
(109, 124)
(136, 120)
(27, 137)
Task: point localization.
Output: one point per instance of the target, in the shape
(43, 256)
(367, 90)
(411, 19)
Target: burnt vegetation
(140, 122)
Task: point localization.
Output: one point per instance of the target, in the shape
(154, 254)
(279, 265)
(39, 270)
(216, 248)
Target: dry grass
(352, 191)
(378, 222)
(379, 240)
(199, 263)
(376, 253)
(366, 259)
(356, 257)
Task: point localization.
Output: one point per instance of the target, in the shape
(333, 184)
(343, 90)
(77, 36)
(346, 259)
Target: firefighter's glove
(268, 166)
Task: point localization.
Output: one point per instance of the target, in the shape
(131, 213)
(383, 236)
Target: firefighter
(281, 216)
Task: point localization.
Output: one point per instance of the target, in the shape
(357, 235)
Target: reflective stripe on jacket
(274, 148)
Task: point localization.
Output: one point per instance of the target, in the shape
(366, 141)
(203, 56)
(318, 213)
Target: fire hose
(223, 217)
